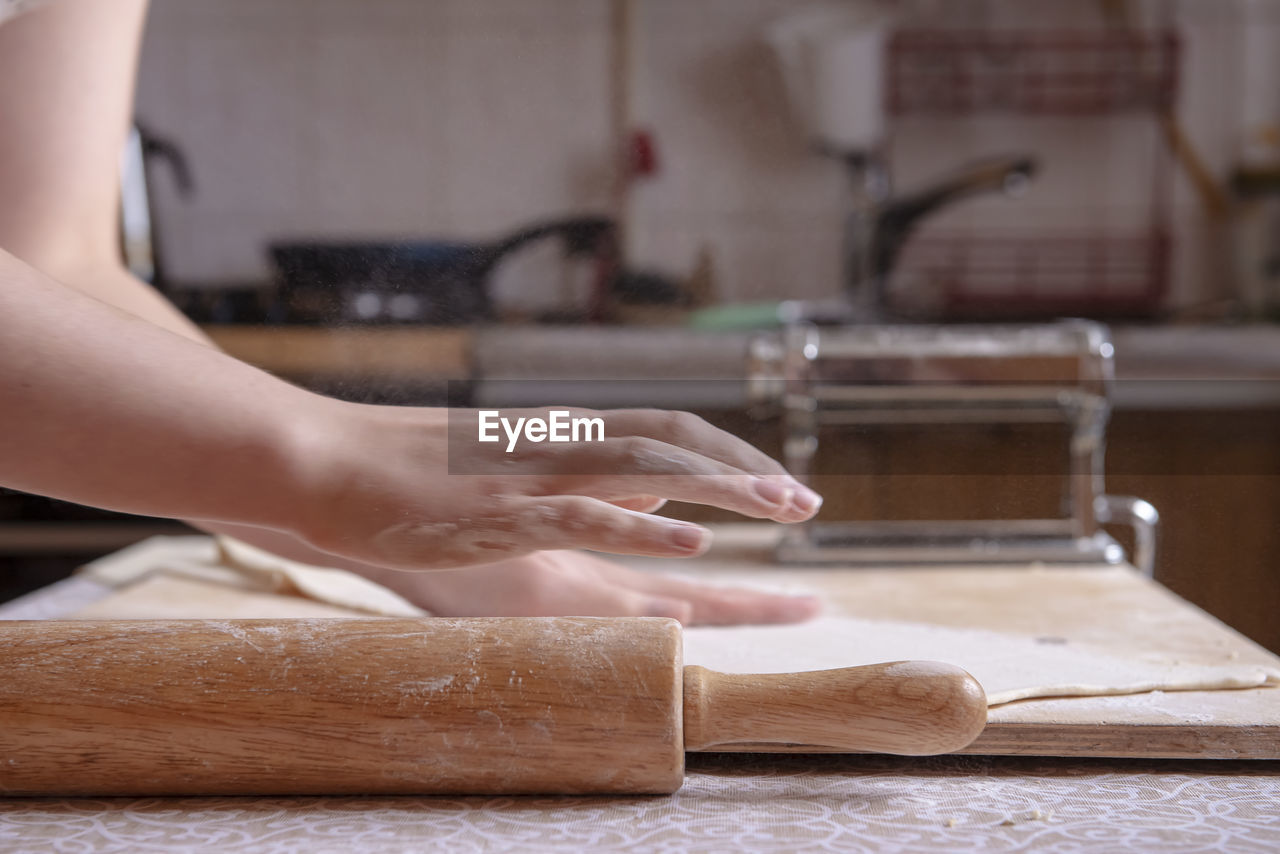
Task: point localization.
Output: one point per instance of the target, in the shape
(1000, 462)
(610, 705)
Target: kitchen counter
(1191, 367)
(1197, 367)
(728, 802)
(406, 353)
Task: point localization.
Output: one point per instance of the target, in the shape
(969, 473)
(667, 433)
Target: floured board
(1010, 666)
(1106, 607)
(173, 597)
(1113, 608)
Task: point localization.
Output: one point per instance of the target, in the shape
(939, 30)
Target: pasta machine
(827, 380)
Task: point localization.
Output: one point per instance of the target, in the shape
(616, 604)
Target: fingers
(686, 430)
(639, 442)
(641, 503)
(579, 522)
(621, 468)
(515, 526)
(718, 606)
(545, 584)
(735, 607)
(609, 600)
(553, 583)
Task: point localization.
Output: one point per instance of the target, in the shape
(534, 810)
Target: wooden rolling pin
(423, 706)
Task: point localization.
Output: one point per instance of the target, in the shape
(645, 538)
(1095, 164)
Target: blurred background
(464, 201)
(698, 126)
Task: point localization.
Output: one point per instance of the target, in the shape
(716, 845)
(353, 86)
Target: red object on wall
(642, 154)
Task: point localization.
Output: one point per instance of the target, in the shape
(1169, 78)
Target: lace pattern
(728, 803)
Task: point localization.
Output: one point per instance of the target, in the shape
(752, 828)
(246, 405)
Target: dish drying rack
(1087, 74)
(846, 376)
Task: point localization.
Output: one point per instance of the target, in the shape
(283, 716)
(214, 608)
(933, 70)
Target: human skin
(113, 398)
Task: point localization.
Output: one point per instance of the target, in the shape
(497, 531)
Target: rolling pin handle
(911, 708)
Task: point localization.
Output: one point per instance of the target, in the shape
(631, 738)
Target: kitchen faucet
(878, 223)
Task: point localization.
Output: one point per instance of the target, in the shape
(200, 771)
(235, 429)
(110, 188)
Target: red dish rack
(1038, 74)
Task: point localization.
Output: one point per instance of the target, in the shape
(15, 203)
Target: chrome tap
(879, 223)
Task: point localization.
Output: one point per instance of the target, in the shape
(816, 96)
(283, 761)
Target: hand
(382, 487)
(566, 583)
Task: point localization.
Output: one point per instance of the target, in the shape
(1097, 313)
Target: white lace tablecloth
(729, 803)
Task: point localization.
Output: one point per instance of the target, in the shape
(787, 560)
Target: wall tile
(373, 123)
(526, 15)
(468, 118)
(240, 127)
(210, 247)
(527, 128)
(710, 89)
(754, 258)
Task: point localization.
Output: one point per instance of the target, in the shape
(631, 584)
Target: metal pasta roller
(830, 380)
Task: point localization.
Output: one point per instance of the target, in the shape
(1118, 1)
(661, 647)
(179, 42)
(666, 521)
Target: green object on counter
(727, 318)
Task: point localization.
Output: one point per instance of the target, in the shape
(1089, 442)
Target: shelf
(1029, 275)
(1030, 72)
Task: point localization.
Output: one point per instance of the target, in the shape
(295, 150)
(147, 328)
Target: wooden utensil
(423, 706)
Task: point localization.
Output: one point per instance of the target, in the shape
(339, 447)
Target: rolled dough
(1009, 667)
(334, 586)
(235, 565)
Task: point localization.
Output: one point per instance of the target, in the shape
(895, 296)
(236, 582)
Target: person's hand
(384, 486)
(566, 583)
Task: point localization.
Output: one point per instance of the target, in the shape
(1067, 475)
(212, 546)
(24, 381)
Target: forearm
(104, 408)
(115, 285)
(66, 104)
(97, 405)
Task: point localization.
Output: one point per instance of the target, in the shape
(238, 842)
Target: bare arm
(109, 398)
(66, 98)
(107, 409)
(66, 92)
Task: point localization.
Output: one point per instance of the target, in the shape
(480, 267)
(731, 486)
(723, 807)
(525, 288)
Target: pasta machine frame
(848, 375)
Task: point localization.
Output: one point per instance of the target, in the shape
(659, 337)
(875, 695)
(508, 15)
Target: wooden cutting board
(1112, 607)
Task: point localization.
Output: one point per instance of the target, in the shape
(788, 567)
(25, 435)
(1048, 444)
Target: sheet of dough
(334, 586)
(235, 565)
(1009, 667)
